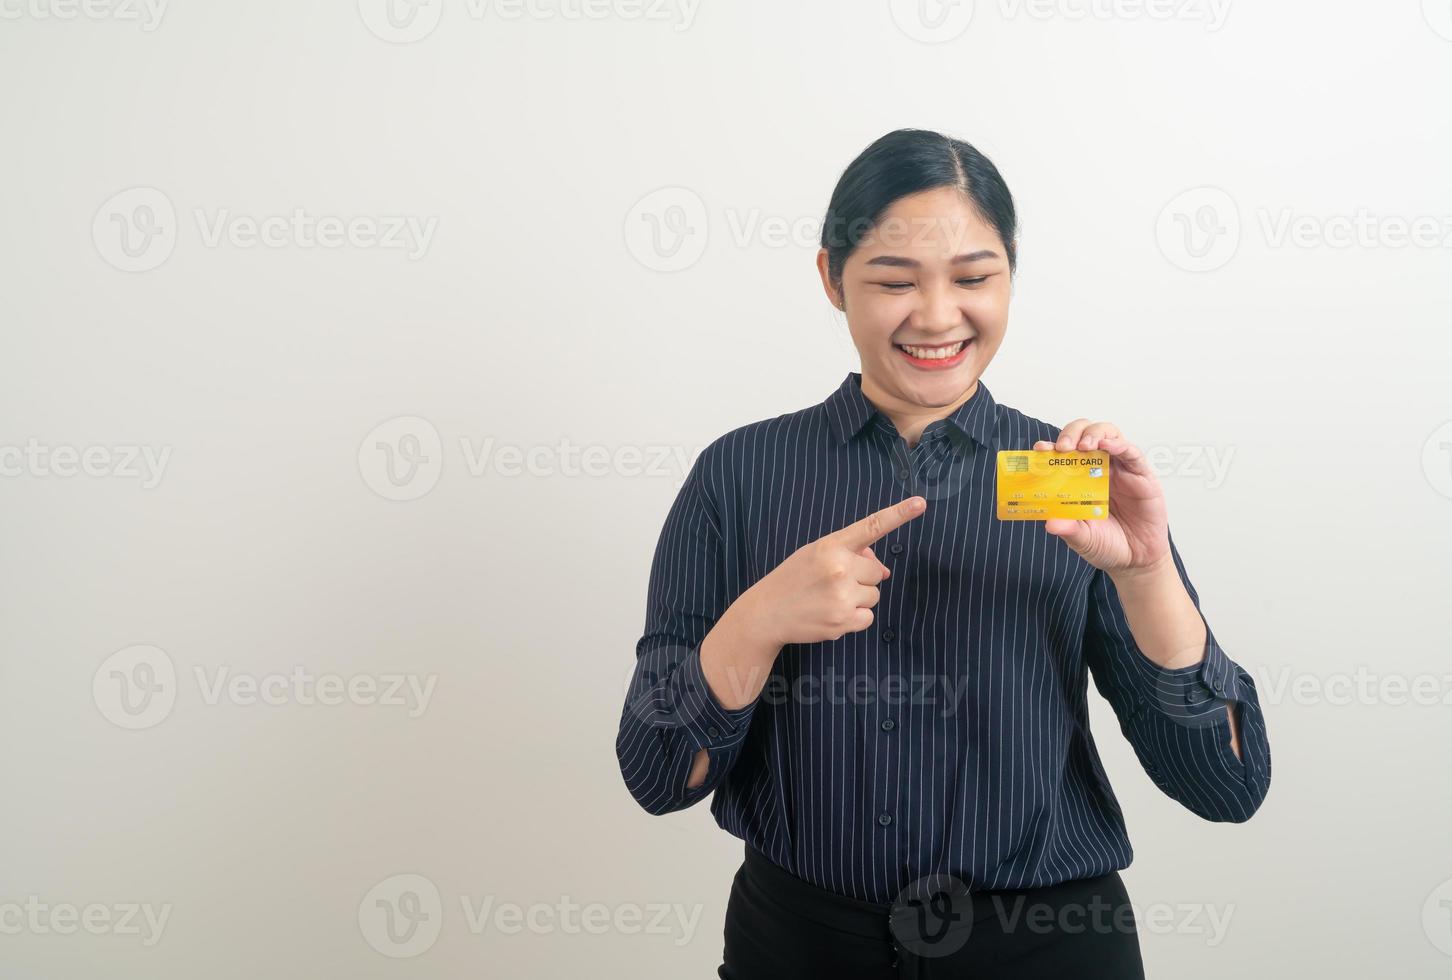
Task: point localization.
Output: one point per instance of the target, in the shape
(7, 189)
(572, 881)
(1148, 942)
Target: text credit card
(1035, 485)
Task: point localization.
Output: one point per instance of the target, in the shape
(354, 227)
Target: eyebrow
(898, 260)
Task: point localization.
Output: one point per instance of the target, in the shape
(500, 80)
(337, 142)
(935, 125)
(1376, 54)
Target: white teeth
(934, 353)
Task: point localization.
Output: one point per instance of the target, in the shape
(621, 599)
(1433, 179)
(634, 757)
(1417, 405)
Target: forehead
(937, 221)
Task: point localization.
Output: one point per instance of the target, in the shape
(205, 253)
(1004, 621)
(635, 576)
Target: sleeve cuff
(696, 709)
(1193, 696)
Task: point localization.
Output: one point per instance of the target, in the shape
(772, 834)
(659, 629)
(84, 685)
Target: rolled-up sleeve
(1176, 719)
(670, 711)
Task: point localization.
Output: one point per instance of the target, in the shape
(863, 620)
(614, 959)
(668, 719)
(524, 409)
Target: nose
(938, 311)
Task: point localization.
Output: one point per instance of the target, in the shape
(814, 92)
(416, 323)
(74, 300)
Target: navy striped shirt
(951, 735)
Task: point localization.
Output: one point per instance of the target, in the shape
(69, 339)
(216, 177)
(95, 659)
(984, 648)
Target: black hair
(904, 162)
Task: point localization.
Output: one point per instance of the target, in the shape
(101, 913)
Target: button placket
(903, 468)
(904, 464)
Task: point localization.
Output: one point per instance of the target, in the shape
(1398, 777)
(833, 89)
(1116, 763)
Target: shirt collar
(848, 410)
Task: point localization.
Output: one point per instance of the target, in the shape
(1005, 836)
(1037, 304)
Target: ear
(823, 269)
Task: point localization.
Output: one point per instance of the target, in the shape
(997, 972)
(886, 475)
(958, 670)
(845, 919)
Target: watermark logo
(146, 464)
(405, 233)
(1211, 13)
(938, 21)
(1209, 465)
(147, 13)
(1361, 687)
(406, 21)
(401, 21)
(932, 21)
(653, 694)
(1438, 15)
(566, 916)
(135, 230)
(1184, 694)
(942, 475)
(932, 917)
(37, 918)
(1437, 917)
(1199, 230)
(135, 687)
(402, 459)
(401, 916)
(1437, 459)
(667, 229)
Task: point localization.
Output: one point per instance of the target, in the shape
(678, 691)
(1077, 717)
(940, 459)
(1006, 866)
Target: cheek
(876, 315)
(987, 309)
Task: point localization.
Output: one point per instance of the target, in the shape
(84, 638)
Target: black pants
(779, 926)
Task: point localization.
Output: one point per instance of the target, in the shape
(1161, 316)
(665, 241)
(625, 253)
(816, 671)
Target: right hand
(827, 587)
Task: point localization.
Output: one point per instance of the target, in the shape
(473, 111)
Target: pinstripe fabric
(952, 735)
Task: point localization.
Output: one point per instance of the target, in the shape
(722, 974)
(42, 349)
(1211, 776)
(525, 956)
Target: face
(930, 277)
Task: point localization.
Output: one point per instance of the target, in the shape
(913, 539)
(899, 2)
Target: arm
(680, 733)
(735, 662)
(1191, 713)
(704, 660)
(1165, 622)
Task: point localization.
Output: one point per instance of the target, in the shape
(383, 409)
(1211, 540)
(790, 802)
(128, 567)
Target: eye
(974, 281)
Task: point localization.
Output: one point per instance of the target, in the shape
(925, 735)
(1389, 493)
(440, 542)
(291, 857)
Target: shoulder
(766, 439)
(728, 463)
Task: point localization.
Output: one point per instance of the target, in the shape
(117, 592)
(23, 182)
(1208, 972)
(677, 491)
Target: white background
(541, 148)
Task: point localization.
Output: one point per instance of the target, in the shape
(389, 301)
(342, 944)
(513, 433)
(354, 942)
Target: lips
(924, 353)
(935, 355)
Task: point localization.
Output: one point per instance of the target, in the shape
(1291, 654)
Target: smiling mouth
(935, 352)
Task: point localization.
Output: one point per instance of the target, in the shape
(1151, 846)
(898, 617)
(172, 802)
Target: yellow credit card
(1037, 484)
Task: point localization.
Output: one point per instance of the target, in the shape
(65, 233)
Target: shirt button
(887, 635)
(902, 474)
(896, 548)
(884, 818)
(888, 724)
(1196, 695)
(712, 732)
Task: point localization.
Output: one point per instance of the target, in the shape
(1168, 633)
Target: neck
(908, 418)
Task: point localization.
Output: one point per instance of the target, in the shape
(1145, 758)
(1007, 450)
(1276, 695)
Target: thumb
(866, 552)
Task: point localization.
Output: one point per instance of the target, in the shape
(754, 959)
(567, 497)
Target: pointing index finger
(872, 527)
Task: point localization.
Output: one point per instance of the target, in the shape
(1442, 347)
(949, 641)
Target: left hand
(1135, 536)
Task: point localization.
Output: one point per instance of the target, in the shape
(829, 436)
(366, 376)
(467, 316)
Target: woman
(883, 684)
